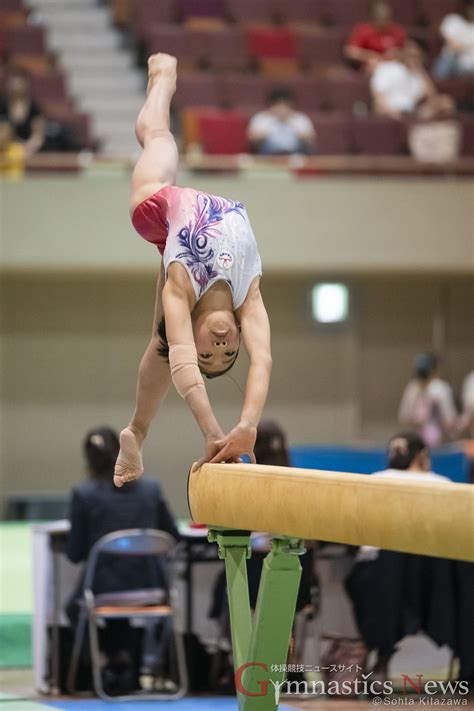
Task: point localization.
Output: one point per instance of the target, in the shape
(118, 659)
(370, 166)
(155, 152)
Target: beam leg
(272, 624)
(234, 549)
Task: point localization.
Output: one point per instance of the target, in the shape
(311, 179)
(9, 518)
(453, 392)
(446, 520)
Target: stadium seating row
(324, 12)
(225, 133)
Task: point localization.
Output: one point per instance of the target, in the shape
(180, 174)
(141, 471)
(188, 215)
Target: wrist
(248, 423)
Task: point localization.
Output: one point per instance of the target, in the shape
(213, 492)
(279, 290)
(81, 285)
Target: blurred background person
(385, 608)
(401, 87)
(427, 402)
(97, 508)
(12, 152)
(457, 55)
(466, 420)
(280, 129)
(18, 107)
(375, 40)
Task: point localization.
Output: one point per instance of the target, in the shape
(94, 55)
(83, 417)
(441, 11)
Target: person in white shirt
(457, 55)
(466, 421)
(427, 402)
(280, 129)
(402, 87)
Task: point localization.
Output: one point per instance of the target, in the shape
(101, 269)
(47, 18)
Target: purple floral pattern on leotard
(196, 238)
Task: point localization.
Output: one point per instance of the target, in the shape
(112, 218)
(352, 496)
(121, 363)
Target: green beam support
(263, 645)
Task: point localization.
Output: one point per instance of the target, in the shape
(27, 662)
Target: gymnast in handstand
(207, 294)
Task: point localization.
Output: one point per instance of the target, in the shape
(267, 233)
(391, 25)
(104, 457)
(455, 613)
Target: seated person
(21, 111)
(97, 508)
(12, 153)
(379, 579)
(402, 88)
(457, 55)
(372, 41)
(280, 129)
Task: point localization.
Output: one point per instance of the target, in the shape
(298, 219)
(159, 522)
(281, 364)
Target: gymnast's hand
(240, 440)
(129, 464)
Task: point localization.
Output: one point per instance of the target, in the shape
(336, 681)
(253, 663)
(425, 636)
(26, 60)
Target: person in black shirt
(18, 108)
(97, 508)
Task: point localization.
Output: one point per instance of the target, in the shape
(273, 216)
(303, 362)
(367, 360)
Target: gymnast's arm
(185, 372)
(256, 335)
(154, 377)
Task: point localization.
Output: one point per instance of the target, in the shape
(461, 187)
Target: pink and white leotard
(210, 236)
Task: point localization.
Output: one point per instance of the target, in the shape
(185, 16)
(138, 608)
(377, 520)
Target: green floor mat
(15, 640)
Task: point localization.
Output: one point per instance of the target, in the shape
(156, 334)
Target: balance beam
(427, 518)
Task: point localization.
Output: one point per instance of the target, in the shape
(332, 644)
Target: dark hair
(403, 449)
(280, 93)
(270, 447)
(425, 365)
(374, 3)
(465, 5)
(101, 448)
(164, 351)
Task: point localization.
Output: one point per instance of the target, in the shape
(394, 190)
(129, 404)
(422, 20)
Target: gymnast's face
(217, 339)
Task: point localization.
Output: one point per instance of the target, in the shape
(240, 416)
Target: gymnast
(207, 293)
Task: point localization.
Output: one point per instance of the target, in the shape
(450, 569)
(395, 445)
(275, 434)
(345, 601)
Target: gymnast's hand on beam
(240, 440)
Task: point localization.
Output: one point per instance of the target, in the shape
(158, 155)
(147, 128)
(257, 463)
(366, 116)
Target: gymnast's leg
(156, 167)
(158, 163)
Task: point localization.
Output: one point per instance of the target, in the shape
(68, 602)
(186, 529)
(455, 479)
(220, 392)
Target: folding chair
(139, 605)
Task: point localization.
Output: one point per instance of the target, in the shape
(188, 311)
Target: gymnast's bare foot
(129, 464)
(162, 66)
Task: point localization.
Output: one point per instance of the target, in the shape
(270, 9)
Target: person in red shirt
(378, 39)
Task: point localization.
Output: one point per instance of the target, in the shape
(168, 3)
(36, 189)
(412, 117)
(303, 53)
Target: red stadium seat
(333, 131)
(343, 12)
(433, 11)
(242, 90)
(467, 123)
(223, 132)
(311, 93)
(11, 5)
(227, 49)
(296, 11)
(201, 8)
(317, 48)
(407, 12)
(28, 40)
(271, 43)
(180, 41)
(196, 89)
(151, 12)
(374, 135)
(247, 11)
(49, 87)
(346, 88)
(461, 89)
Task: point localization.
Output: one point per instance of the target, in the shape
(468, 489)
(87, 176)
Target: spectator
(402, 88)
(391, 592)
(97, 508)
(21, 111)
(457, 55)
(372, 41)
(280, 129)
(12, 154)
(427, 402)
(466, 421)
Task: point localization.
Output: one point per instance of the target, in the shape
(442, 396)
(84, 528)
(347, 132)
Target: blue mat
(208, 704)
(453, 464)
